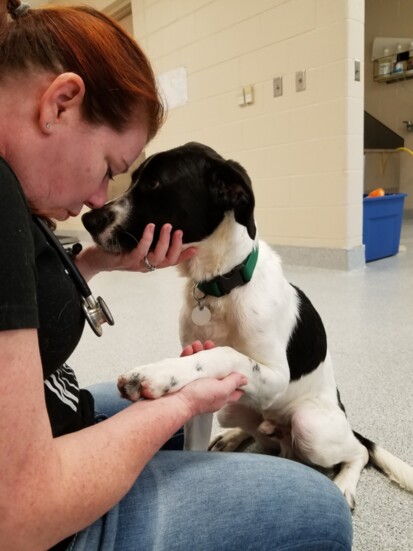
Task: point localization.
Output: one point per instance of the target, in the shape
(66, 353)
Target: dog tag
(201, 315)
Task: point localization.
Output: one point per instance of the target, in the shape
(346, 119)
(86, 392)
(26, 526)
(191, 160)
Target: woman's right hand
(209, 395)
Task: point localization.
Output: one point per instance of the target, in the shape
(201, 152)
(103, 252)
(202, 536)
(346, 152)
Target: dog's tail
(393, 467)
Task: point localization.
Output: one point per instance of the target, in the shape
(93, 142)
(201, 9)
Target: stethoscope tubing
(96, 310)
(68, 263)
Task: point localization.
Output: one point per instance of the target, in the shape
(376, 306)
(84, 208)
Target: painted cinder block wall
(303, 150)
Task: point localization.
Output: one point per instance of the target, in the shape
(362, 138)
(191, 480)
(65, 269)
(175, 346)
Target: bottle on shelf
(386, 63)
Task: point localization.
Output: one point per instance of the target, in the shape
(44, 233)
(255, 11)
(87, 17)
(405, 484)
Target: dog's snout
(96, 221)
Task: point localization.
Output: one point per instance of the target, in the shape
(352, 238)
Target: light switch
(241, 98)
(249, 94)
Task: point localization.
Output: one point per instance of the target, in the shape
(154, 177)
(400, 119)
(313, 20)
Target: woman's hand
(195, 347)
(167, 252)
(210, 395)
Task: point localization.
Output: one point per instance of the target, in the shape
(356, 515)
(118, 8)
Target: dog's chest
(223, 327)
(233, 323)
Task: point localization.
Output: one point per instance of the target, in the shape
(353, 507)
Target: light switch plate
(278, 86)
(357, 74)
(300, 83)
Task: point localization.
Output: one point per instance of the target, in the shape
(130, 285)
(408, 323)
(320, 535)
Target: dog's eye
(153, 185)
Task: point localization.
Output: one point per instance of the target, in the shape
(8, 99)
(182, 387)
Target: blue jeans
(219, 501)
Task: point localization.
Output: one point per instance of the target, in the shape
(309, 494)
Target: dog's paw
(147, 382)
(229, 441)
(348, 491)
(129, 386)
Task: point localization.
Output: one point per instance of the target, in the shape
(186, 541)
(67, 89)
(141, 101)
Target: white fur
(121, 209)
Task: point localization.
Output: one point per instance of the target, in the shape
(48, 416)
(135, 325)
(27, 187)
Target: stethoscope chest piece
(97, 313)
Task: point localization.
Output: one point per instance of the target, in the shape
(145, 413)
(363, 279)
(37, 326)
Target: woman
(78, 103)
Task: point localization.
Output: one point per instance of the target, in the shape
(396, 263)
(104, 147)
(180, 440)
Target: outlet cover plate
(278, 86)
(300, 83)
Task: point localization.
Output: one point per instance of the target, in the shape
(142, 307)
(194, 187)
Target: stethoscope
(95, 309)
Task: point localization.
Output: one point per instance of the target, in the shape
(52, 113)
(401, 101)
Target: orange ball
(378, 192)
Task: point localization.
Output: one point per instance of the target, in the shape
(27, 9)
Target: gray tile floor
(368, 315)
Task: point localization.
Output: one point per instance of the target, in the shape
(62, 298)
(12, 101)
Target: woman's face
(78, 167)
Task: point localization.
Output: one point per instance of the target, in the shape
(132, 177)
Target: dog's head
(190, 187)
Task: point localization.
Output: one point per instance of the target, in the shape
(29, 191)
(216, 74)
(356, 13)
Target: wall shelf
(394, 77)
(392, 59)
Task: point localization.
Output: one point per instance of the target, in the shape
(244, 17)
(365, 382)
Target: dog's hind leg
(323, 437)
(349, 475)
(242, 422)
(230, 441)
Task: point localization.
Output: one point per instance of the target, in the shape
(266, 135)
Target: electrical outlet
(300, 81)
(277, 86)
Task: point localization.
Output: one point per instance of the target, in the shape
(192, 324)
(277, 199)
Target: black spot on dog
(172, 382)
(307, 346)
(254, 365)
(199, 367)
(135, 380)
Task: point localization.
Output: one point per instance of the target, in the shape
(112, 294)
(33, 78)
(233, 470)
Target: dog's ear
(232, 189)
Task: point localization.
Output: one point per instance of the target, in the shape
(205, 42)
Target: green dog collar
(240, 275)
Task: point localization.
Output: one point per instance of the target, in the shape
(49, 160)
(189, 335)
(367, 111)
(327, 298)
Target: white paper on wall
(173, 87)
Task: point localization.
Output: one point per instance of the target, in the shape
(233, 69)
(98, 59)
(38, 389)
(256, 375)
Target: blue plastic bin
(382, 224)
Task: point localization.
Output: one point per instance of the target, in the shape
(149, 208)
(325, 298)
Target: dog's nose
(96, 221)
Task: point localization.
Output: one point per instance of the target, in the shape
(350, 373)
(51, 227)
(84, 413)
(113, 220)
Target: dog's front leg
(170, 375)
(198, 432)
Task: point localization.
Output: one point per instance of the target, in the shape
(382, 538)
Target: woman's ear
(63, 98)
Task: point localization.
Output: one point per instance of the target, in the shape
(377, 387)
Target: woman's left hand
(197, 346)
(167, 252)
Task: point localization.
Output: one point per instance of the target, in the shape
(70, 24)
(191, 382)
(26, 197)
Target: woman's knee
(241, 500)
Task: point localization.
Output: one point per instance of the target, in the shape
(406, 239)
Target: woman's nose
(98, 199)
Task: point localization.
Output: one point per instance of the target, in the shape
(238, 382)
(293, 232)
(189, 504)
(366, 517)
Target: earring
(48, 126)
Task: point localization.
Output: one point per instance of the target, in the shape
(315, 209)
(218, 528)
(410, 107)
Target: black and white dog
(237, 296)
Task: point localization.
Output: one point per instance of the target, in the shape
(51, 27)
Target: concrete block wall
(303, 150)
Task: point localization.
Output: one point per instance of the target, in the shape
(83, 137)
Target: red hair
(118, 77)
